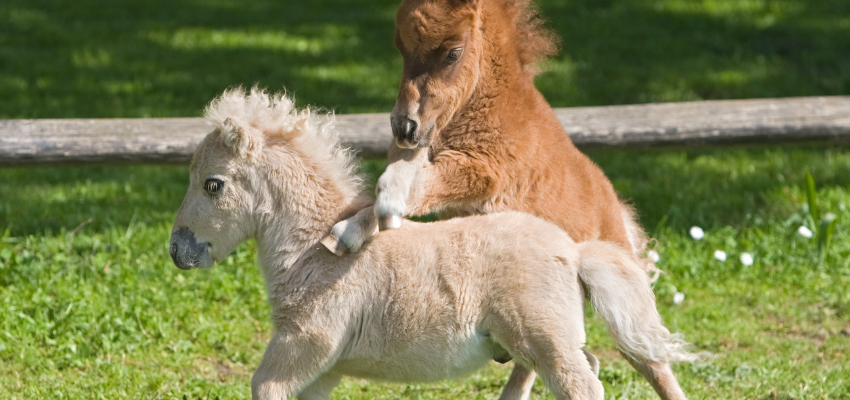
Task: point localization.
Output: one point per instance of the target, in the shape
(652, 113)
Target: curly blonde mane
(312, 134)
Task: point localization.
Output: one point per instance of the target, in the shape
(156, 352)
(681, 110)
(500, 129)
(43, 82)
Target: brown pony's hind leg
(594, 363)
(660, 376)
(519, 384)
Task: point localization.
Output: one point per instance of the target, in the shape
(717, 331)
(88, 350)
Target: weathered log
(144, 140)
(669, 125)
(710, 123)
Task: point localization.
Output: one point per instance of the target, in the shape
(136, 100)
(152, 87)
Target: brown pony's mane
(534, 42)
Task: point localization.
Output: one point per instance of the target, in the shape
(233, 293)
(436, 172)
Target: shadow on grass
(638, 51)
(674, 188)
(168, 58)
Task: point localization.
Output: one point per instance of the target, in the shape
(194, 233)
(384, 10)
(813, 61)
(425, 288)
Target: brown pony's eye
(213, 186)
(454, 54)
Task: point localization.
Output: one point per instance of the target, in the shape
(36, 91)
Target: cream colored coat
(422, 303)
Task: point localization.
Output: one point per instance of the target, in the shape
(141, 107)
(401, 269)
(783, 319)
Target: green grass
(168, 58)
(91, 306)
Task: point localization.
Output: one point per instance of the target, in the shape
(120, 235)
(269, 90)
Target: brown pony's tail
(619, 290)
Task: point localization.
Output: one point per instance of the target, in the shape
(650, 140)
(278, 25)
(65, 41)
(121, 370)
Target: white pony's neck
(299, 210)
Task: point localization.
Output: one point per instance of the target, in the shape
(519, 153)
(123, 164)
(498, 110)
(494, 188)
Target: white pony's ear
(242, 138)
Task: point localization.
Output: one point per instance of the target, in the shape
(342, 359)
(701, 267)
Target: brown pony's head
(448, 47)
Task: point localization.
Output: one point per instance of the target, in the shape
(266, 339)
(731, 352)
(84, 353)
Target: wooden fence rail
(667, 125)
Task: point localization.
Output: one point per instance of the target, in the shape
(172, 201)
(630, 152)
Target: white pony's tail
(619, 290)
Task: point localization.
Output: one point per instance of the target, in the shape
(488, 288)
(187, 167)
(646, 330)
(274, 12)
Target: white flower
(746, 259)
(653, 256)
(804, 232)
(678, 298)
(697, 233)
(720, 255)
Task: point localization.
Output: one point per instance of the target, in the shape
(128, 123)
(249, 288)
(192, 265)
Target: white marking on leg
(355, 231)
(395, 184)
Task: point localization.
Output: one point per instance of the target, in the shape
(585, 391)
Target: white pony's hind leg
(660, 376)
(568, 377)
(620, 293)
(321, 388)
(522, 379)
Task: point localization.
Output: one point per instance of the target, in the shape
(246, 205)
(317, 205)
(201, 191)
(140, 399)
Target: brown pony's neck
(505, 86)
(505, 97)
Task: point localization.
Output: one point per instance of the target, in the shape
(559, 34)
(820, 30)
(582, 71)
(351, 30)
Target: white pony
(421, 303)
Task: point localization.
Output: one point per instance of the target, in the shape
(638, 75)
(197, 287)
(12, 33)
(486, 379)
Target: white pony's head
(264, 160)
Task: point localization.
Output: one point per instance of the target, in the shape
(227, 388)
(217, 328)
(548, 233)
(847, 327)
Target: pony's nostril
(173, 250)
(403, 127)
(410, 126)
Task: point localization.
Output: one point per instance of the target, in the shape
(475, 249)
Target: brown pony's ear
(241, 138)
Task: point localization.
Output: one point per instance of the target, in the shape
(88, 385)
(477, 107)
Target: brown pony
(474, 135)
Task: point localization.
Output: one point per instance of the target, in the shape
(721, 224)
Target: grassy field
(92, 307)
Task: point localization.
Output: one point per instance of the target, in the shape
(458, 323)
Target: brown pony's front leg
(349, 234)
(397, 183)
(415, 186)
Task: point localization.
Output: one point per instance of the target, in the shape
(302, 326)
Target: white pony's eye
(213, 186)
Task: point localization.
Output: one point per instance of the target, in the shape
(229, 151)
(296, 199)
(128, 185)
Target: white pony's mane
(313, 134)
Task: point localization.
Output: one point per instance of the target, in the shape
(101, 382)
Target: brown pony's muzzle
(404, 130)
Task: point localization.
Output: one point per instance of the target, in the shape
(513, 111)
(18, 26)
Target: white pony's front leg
(321, 388)
(290, 364)
(395, 185)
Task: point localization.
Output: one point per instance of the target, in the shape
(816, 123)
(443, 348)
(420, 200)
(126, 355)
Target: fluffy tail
(619, 290)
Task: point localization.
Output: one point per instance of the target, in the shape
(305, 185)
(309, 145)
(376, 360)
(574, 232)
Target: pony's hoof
(334, 245)
(389, 222)
(594, 363)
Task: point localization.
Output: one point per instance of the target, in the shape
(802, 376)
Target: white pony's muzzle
(187, 252)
